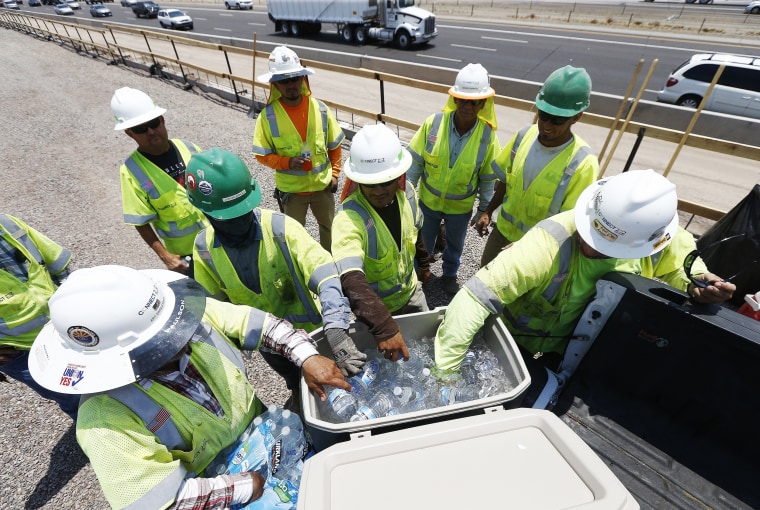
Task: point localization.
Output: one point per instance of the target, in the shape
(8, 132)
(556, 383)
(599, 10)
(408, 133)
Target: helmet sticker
(83, 336)
(604, 231)
(190, 182)
(664, 240)
(72, 375)
(237, 195)
(205, 188)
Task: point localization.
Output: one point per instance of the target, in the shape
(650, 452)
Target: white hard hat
(472, 83)
(628, 216)
(113, 325)
(284, 63)
(376, 156)
(132, 107)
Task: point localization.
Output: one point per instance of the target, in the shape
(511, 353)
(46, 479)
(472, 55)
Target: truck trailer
(359, 21)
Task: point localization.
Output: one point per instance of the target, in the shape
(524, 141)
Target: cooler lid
(520, 458)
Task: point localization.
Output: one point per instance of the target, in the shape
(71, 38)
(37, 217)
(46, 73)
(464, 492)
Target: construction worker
(163, 382)
(543, 282)
(452, 153)
(379, 240)
(152, 181)
(31, 268)
(262, 258)
(544, 167)
(298, 136)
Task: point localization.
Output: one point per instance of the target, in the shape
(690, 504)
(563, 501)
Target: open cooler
(424, 324)
(525, 459)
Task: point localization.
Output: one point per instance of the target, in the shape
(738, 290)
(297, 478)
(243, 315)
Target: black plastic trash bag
(740, 255)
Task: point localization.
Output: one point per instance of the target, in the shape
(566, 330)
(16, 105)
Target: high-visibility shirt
(24, 304)
(366, 244)
(151, 196)
(292, 269)
(541, 285)
(134, 468)
(275, 133)
(556, 188)
(447, 185)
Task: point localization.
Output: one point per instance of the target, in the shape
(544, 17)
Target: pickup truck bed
(668, 397)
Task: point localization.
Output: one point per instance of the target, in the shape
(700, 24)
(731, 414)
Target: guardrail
(216, 67)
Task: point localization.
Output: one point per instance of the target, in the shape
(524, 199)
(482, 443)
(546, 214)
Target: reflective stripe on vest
(485, 140)
(158, 419)
(369, 224)
(559, 192)
(20, 235)
(145, 182)
(278, 233)
(275, 130)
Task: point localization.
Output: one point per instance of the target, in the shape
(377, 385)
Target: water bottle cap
(285, 430)
(286, 414)
(257, 421)
(397, 390)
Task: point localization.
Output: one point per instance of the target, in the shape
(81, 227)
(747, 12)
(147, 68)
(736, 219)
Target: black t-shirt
(170, 162)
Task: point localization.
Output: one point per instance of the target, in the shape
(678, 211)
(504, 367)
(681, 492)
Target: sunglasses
(290, 80)
(688, 262)
(557, 121)
(381, 185)
(473, 102)
(143, 128)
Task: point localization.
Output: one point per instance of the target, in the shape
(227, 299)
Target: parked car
(11, 4)
(63, 9)
(34, 3)
(239, 4)
(752, 8)
(174, 18)
(737, 91)
(100, 11)
(146, 9)
(74, 4)
(128, 3)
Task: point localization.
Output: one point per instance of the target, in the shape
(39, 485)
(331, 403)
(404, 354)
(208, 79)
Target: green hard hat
(566, 92)
(220, 184)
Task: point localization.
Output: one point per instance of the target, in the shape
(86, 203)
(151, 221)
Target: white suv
(737, 91)
(240, 4)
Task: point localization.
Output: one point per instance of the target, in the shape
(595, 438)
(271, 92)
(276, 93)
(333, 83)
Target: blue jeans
(456, 231)
(18, 368)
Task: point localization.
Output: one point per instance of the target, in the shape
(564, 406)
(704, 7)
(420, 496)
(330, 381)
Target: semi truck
(357, 21)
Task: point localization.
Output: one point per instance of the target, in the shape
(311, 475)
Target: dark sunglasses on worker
(381, 185)
(471, 102)
(290, 80)
(143, 128)
(554, 119)
(688, 262)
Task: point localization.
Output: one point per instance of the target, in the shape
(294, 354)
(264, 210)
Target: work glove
(348, 358)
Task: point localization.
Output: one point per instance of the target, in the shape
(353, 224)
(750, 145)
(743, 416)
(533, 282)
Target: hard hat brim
(272, 77)
(475, 95)
(386, 175)
(559, 112)
(584, 215)
(140, 119)
(56, 366)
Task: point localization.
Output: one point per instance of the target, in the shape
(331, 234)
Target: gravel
(59, 171)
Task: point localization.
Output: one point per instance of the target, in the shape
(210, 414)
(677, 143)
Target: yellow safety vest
(289, 285)
(24, 305)
(150, 195)
(452, 188)
(555, 189)
(276, 134)
(365, 244)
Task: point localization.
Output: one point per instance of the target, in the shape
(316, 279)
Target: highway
(508, 50)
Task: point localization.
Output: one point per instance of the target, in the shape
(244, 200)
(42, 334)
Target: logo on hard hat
(603, 231)
(205, 188)
(83, 336)
(190, 182)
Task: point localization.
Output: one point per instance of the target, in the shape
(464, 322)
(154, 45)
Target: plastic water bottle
(378, 406)
(293, 448)
(362, 381)
(452, 395)
(409, 398)
(468, 369)
(412, 367)
(342, 402)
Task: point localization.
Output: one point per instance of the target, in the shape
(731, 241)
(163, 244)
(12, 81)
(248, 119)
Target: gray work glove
(348, 358)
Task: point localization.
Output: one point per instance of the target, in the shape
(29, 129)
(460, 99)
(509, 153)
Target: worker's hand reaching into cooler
(393, 348)
(318, 371)
(348, 358)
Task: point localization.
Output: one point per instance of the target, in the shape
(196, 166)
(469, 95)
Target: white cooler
(517, 459)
